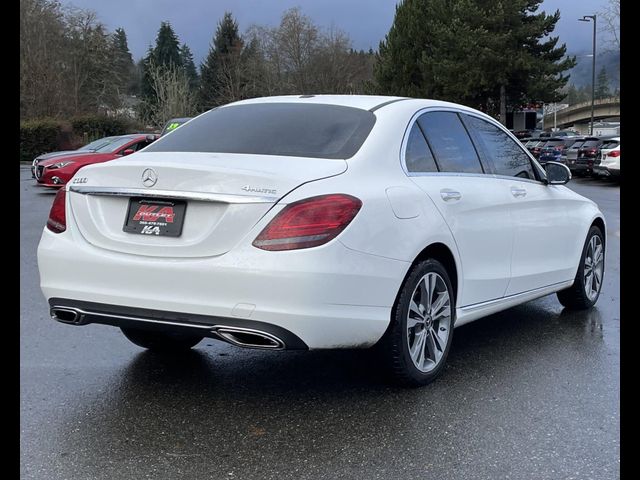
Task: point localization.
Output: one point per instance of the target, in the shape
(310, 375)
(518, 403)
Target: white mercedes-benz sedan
(318, 222)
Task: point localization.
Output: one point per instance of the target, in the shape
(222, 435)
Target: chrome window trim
(418, 113)
(172, 194)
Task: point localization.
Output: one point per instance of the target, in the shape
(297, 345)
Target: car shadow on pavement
(218, 404)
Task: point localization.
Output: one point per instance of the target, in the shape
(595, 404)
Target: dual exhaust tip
(67, 315)
(249, 338)
(241, 337)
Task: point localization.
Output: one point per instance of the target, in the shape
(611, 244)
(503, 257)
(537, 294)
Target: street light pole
(587, 18)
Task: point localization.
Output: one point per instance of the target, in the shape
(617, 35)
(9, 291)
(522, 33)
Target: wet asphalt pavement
(529, 393)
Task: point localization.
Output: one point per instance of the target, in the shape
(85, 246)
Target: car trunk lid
(225, 194)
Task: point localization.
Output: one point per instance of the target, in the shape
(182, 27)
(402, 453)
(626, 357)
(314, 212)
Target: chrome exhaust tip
(248, 338)
(67, 315)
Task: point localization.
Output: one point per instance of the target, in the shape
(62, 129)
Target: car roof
(179, 119)
(363, 102)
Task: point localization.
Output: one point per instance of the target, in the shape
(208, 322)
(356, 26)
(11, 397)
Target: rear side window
(289, 129)
(450, 143)
(499, 149)
(418, 156)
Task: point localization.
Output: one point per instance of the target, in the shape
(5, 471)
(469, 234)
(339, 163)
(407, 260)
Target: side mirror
(557, 173)
(128, 151)
(151, 138)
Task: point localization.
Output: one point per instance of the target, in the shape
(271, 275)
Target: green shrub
(91, 127)
(44, 136)
(50, 135)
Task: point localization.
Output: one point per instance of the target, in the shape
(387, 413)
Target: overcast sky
(365, 21)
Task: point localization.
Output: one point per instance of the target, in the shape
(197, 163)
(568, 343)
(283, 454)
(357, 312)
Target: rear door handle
(518, 192)
(448, 195)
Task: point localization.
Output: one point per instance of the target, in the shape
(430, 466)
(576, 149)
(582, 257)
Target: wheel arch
(443, 253)
(599, 222)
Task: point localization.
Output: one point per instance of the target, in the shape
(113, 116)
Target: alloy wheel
(593, 267)
(428, 322)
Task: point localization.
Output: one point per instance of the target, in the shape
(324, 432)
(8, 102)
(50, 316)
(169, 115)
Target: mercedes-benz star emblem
(149, 177)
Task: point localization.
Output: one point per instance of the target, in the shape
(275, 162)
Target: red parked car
(57, 171)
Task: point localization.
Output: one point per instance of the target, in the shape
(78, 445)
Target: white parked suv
(609, 159)
(320, 222)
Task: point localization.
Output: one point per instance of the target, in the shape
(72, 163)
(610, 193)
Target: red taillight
(615, 153)
(558, 149)
(57, 222)
(309, 222)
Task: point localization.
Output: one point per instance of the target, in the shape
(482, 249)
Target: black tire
(394, 345)
(161, 341)
(575, 297)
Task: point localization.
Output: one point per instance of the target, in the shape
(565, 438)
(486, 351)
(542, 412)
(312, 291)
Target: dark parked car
(535, 145)
(555, 149)
(173, 124)
(589, 154)
(572, 152)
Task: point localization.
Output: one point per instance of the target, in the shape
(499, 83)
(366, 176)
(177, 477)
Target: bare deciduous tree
(611, 18)
(41, 74)
(66, 62)
(174, 97)
(298, 57)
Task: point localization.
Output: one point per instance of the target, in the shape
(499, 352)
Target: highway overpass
(581, 112)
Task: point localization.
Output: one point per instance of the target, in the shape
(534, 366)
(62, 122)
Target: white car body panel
(484, 252)
(549, 224)
(610, 164)
(340, 294)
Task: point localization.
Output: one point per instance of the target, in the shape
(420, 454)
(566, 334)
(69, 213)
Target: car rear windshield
(289, 129)
(610, 144)
(591, 143)
(553, 143)
(578, 144)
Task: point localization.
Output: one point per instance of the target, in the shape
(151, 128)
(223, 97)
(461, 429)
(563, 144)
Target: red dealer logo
(148, 213)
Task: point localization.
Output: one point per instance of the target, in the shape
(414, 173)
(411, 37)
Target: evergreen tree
(225, 48)
(475, 52)
(602, 85)
(166, 53)
(167, 49)
(123, 62)
(189, 67)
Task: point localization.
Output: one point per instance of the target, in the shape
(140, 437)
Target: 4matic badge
(270, 191)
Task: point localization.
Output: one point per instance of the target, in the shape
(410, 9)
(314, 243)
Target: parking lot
(529, 393)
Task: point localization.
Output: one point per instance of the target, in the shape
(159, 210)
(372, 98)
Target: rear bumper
(598, 170)
(614, 172)
(579, 167)
(328, 297)
(76, 312)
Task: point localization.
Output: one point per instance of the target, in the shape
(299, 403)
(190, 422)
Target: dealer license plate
(162, 218)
